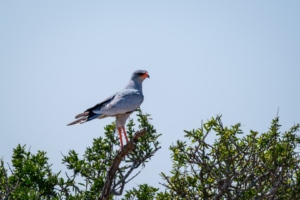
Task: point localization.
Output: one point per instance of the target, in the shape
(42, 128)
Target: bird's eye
(140, 74)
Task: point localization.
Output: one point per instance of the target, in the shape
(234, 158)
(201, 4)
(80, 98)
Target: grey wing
(92, 112)
(99, 106)
(122, 103)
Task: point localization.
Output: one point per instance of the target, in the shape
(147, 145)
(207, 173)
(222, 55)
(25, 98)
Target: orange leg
(125, 134)
(120, 134)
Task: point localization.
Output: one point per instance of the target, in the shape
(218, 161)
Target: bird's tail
(84, 117)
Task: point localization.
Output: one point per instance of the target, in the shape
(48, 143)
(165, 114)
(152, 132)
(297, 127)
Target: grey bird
(120, 105)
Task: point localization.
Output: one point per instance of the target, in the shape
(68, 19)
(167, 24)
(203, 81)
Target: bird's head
(140, 75)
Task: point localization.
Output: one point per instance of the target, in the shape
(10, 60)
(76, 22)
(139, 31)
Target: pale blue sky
(240, 59)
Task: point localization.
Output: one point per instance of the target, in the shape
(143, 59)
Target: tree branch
(116, 162)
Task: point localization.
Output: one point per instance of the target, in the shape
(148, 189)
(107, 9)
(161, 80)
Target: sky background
(240, 59)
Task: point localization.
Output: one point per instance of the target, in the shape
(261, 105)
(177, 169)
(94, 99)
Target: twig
(116, 162)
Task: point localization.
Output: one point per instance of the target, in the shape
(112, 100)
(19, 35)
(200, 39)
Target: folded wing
(89, 114)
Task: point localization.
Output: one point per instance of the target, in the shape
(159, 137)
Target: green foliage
(31, 174)
(235, 166)
(97, 159)
(145, 192)
(32, 177)
(256, 166)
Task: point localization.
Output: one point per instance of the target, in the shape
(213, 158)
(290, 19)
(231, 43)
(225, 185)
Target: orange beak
(145, 75)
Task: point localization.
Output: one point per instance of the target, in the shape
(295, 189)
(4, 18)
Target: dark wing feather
(97, 106)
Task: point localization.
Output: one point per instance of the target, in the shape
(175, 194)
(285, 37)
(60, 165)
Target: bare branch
(116, 162)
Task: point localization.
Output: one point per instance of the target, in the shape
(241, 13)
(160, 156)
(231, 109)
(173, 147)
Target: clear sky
(240, 59)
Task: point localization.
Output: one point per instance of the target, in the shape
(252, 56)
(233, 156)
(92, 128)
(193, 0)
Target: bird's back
(125, 101)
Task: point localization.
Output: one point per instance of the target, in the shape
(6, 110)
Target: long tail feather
(84, 117)
(79, 121)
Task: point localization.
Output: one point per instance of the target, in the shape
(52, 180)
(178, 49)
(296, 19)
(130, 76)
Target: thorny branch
(8, 189)
(232, 167)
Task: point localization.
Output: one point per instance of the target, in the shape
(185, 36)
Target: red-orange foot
(125, 134)
(120, 135)
(121, 141)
